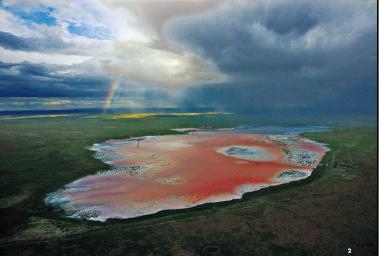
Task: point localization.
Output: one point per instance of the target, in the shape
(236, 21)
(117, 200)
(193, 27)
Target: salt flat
(180, 171)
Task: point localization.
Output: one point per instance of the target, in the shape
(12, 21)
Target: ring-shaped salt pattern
(246, 152)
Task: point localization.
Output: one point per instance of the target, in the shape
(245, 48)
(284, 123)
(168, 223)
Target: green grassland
(333, 210)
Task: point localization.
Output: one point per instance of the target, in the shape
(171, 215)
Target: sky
(233, 55)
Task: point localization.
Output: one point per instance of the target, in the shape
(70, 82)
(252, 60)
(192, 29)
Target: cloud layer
(287, 54)
(225, 54)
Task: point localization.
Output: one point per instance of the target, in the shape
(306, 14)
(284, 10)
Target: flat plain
(326, 214)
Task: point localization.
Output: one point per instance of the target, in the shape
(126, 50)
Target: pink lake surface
(182, 171)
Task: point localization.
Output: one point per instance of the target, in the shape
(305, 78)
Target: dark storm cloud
(285, 19)
(286, 53)
(42, 80)
(271, 38)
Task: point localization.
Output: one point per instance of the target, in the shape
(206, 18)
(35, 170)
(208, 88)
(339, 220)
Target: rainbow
(108, 100)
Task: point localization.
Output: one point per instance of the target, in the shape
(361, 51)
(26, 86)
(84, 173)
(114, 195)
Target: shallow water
(182, 171)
